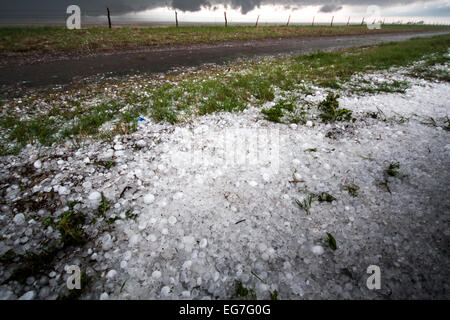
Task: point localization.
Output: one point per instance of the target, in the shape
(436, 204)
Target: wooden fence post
(332, 19)
(348, 21)
(109, 18)
(226, 21)
(313, 21)
(289, 20)
(176, 19)
(257, 19)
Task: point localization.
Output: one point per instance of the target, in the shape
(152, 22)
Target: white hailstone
(178, 196)
(309, 123)
(28, 296)
(127, 255)
(293, 126)
(119, 153)
(186, 294)
(107, 242)
(165, 291)
(107, 155)
(297, 176)
(37, 164)
(296, 162)
(134, 240)
(253, 183)
(87, 185)
(262, 247)
(6, 294)
(63, 191)
(118, 147)
(104, 296)
(123, 264)
(172, 220)
(203, 243)
(142, 225)
(151, 237)
(94, 198)
(149, 198)
(86, 160)
(165, 231)
(286, 197)
(266, 177)
(141, 143)
(327, 166)
(52, 274)
(111, 274)
(19, 219)
(156, 274)
(317, 250)
(187, 264)
(189, 240)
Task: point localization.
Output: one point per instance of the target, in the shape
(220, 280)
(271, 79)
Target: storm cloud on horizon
(97, 7)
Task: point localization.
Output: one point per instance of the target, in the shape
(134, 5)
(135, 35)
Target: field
(59, 39)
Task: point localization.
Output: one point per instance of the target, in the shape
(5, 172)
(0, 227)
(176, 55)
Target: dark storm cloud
(98, 7)
(330, 8)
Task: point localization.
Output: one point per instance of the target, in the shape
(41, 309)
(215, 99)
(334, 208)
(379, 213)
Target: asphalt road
(160, 60)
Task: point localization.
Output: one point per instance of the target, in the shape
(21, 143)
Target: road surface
(63, 72)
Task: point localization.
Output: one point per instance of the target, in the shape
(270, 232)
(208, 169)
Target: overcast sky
(212, 10)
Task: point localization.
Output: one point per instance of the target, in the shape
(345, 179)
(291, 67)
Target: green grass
(352, 189)
(59, 39)
(305, 205)
(331, 111)
(393, 168)
(330, 241)
(82, 112)
(242, 292)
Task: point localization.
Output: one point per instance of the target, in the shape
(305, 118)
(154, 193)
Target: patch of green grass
(276, 112)
(274, 295)
(107, 164)
(103, 207)
(393, 168)
(325, 197)
(330, 241)
(48, 222)
(306, 203)
(130, 215)
(352, 189)
(394, 86)
(311, 150)
(331, 111)
(242, 292)
(71, 228)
